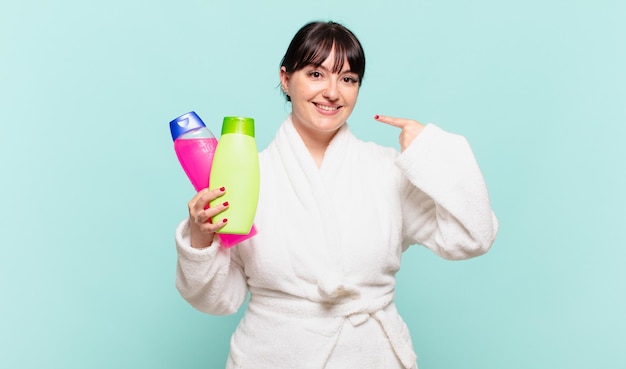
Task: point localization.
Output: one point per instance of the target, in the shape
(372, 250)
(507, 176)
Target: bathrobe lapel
(313, 186)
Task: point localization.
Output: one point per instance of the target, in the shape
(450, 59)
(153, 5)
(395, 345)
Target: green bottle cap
(238, 125)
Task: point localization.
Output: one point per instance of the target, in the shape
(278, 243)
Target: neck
(316, 142)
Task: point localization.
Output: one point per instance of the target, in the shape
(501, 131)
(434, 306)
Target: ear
(284, 80)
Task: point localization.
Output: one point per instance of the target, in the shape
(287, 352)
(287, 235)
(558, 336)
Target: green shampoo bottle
(236, 167)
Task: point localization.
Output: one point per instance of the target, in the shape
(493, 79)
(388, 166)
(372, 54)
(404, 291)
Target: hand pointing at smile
(410, 128)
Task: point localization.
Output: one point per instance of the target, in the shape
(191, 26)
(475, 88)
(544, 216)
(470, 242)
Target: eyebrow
(328, 70)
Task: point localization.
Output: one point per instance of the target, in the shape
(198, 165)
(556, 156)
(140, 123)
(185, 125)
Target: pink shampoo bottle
(195, 146)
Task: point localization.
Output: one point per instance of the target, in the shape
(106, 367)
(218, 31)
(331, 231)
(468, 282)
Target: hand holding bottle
(195, 147)
(200, 214)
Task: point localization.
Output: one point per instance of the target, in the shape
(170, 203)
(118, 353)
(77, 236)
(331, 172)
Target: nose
(331, 92)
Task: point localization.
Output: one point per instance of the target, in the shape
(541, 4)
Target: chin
(330, 128)
(332, 124)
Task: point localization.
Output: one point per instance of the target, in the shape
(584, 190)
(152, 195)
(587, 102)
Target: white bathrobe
(321, 271)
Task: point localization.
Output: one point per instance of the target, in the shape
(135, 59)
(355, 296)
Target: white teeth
(327, 108)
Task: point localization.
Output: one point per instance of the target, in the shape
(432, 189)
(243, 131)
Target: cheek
(298, 90)
(307, 93)
(351, 95)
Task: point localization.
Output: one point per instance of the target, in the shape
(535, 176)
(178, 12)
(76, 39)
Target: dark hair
(314, 42)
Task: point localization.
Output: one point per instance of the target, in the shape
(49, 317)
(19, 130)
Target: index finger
(392, 121)
(205, 196)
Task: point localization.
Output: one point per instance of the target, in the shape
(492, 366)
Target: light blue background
(91, 189)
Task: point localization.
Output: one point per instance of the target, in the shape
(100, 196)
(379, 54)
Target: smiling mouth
(326, 107)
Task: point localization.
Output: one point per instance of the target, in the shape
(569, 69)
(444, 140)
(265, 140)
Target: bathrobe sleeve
(212, 279)
(447, 207)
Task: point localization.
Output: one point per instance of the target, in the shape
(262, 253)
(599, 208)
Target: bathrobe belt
(356, 311)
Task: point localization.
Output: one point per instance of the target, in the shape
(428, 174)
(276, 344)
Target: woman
(334, 216)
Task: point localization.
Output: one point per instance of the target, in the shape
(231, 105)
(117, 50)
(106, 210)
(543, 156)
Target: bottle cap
(238, 125)
(185, 123)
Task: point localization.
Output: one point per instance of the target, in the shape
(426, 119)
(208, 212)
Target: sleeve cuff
(183, 244)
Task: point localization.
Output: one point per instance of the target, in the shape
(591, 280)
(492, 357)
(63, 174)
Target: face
(321, 100)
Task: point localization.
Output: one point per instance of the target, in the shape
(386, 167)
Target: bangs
(315, 43)
(316, 54)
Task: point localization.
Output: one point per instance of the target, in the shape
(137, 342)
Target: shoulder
(266, 153)
(375, 151)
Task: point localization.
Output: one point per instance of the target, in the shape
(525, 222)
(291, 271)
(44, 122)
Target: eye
(350, 80)
(315, 74)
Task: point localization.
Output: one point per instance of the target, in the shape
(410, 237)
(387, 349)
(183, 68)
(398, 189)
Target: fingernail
(222, 189)
(224, 220)
(376, 116)
(225, 204)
